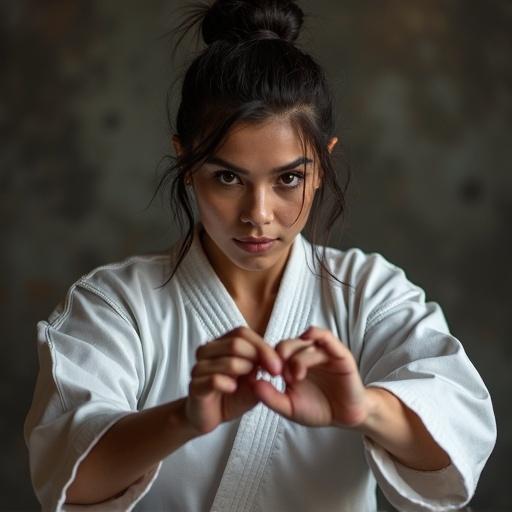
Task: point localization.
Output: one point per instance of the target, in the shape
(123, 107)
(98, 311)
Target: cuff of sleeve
(412, 490)
(84, 441)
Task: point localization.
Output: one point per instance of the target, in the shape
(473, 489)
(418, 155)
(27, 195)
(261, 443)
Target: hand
(221, 387)
(323, 385)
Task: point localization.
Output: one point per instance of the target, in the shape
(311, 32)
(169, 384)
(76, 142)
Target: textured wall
(424, 99)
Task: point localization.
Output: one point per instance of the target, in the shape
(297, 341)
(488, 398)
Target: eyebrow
(219, 161)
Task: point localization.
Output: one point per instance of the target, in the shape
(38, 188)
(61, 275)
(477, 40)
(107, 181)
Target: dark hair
(251, 71)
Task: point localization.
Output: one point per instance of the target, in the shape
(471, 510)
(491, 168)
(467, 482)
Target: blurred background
(424, 106)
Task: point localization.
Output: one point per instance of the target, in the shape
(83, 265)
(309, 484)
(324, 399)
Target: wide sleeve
(90, 376)
(408, 350)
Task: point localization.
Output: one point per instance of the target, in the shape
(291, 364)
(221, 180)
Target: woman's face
(253, 187)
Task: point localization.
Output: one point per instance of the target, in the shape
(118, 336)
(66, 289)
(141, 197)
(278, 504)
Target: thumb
(306, 333)
(272, 398)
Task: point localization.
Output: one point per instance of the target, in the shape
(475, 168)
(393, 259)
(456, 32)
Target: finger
(259, 350)
(226, 365)
(269, 358)
(325, 339)
(302, 360)
(202, 386)
(286, 348)
(272, 398)
(231, 346)
(325, 349)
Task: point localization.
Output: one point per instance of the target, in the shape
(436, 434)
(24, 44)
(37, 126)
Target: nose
(256, 207)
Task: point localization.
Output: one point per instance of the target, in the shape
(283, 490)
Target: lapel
(219, 314)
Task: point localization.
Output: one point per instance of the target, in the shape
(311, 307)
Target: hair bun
(239, 20)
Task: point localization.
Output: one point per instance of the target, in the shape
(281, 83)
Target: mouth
(253, 240)
(256, 247)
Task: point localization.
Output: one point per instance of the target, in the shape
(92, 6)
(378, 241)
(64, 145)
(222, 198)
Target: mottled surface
(424, 99)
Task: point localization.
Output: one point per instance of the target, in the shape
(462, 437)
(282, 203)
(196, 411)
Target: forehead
(272, 141)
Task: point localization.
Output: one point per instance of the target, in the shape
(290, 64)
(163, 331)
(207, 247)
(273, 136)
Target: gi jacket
(118, 343)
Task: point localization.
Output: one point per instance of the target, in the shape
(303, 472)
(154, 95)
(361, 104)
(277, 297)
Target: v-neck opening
(217, 307)
(199, 231)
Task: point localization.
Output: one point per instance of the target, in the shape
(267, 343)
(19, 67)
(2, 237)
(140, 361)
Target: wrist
(178, 422)
(374, 399)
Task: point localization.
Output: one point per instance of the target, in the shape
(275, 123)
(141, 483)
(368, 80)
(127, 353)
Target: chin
(252, 263)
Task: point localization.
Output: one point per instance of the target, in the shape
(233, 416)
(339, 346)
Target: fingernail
(276, 366)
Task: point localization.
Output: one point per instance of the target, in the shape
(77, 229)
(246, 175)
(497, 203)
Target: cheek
(213, 206)
(290, 214)
(297, 209)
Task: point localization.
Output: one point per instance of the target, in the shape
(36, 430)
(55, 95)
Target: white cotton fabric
(118, 344)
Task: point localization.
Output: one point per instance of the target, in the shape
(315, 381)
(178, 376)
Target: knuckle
(233, 365)
(215, 380)
(240, 330)
(235, 344)
(193, 386)
(195, 370)
(280, 349)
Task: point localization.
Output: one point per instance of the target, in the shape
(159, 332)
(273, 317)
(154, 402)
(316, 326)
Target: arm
(219, 391)
(86, 395)
(401, 432)
(129, 449)
(324, 371)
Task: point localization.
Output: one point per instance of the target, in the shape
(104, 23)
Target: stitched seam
(114, 305)
(59, 319)
(53, 357)
(119, 310)
(376, 317)
(379, 314)
(191, 308)
(65, 313)
(125, 263)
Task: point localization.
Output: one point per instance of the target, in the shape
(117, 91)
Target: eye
(222, 174)
(225, 177)
(298, 176)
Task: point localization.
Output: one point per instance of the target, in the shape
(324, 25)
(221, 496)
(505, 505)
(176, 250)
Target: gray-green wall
(424, 104)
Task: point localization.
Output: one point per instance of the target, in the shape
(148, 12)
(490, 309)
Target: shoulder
(137, 271)
(122, 286)
(369, 277)
(360, 268)
(374, 289)
(354, 263)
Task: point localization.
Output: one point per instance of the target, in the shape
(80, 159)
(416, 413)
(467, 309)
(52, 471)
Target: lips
(252, 240)
(256, 248)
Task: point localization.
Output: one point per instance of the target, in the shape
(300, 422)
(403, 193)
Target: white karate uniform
(119, 344)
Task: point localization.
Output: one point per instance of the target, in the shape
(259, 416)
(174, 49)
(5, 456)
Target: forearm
(128, 450)
(401, 432)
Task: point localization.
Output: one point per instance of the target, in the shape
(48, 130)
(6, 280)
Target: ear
(179, 151)
(330, 147)
(332, 143)
(177, 145)
(318, 179)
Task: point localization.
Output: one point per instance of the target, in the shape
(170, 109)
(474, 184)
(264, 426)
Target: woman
(259, 376)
